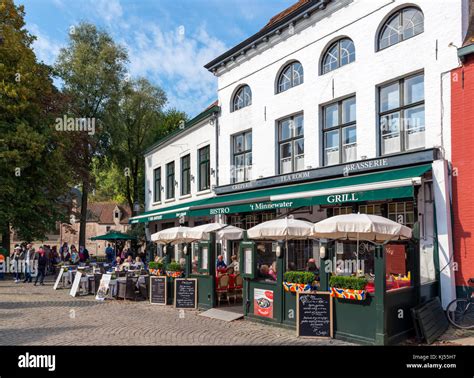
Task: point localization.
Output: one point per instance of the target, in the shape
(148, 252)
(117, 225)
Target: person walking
(42, 263)
(17, 262)
(29, 260)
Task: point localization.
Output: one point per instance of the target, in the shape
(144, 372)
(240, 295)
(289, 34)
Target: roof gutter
(264, 34)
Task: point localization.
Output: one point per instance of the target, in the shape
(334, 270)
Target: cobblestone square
(39, 315)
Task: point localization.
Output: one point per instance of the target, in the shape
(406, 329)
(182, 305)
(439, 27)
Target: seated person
(311, 266)
(264, 272)
(234, 264)
(127, 263)
(138, 263)
(272, 272)
(220, 264)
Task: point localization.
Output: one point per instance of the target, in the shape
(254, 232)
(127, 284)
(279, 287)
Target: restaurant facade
(323, 112)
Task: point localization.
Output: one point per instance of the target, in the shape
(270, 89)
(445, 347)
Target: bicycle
(460, 312)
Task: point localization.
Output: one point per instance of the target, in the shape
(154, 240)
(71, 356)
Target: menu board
(185, 293)
(58, 280)
(205, 258)
(158, 292)
(314, 314)
(75, 284)
(248, 261)
(103, 287)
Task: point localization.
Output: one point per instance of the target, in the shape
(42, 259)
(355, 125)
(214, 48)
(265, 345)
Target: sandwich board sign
(58, 280)
(75, 284)
(103, 287)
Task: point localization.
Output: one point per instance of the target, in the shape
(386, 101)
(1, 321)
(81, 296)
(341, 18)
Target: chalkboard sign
(314, 314)
(185, 293)
(158, 292)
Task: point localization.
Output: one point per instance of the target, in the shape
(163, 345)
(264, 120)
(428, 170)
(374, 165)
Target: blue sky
(168, 41)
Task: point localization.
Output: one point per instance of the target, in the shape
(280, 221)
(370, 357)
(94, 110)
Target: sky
(168, 41)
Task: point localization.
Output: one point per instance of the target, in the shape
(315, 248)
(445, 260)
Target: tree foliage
(33, 171)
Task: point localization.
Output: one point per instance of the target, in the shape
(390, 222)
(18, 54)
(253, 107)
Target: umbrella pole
(357, 256)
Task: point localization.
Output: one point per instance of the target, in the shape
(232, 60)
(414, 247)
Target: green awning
(114, 236)
(379, 186)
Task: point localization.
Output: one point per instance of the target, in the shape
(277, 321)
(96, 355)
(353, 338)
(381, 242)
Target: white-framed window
(403, 24)
(291, 76)
(242, 98)
(340, 132)
(339, 54)
(291, 144)
(242, 156)
(402, 115)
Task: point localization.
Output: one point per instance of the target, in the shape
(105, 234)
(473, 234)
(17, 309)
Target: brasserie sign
(361, 166)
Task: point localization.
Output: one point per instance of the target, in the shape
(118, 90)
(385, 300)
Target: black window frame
(243, 153)
(170, 180)
(157, 184)
(401, 109)
(291, 140)
(292, 79)
(340, 127)
(185, 175)
(398, 14)
(204, 183)
(240, 91)
(339, 64)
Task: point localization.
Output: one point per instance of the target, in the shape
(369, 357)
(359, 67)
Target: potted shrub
(348, 287)
(173, 269)
(298, 281)
(155, 268)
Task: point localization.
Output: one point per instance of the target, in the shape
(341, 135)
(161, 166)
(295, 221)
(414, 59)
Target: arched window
(404, 24)
(291, 76)
(242, 98)
(339, 54)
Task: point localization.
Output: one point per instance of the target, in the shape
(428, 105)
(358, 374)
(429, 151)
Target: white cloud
(45, 48)
(178, 61)
(107, 10)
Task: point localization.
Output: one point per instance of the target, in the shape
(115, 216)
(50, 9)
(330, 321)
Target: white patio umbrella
(361, 227)
(281, 229)
(174, 235)
(223, 231)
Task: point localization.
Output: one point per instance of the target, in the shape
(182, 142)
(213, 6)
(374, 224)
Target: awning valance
(379, 186)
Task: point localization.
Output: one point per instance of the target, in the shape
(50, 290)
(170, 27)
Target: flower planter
(173, 274)
(155, 272)
(296, 287)
(355, 295)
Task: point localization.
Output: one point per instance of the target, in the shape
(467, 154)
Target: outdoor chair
(238, 286)
(222, 289)
(131, 288)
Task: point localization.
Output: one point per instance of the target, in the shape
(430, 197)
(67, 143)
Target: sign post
(58, 280)
(103, 287)
(75, 284)
(314, 316)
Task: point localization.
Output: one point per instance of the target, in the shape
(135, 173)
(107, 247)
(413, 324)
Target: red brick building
(462, 134)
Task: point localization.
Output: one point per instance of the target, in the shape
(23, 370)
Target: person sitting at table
(139, 263)
(311, 266)
(272, 271)
(264, 272)
(127, 263)
(234, 264)
(220, 264)
(116, 263)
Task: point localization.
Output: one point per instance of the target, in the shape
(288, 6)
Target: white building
(335, 106)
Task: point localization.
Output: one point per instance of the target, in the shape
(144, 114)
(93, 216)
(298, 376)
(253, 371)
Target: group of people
(26, 260)
(231, 268)
(128, 263)
(72, 255)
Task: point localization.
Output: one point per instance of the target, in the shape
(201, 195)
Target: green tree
(139, 120)
(92, 68)
(33, 172)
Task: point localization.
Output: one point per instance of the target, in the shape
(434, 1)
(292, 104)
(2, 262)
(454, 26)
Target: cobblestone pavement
(39, 315)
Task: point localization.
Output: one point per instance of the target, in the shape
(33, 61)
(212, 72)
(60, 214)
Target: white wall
(359, 20)
(188, 142)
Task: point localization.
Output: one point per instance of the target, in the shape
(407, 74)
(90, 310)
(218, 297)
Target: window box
(356, 295)
(292, 287)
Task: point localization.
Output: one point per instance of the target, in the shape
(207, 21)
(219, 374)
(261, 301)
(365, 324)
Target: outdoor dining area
(366, 262)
